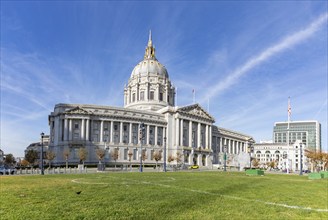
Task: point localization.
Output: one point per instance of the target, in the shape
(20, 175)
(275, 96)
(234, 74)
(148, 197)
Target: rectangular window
(142, 95)
(116, 133)
(151, 135)
(160, 136)
(186, 133)
(125, 133)
(151, 95)
(152, 155)
(160, 96)
(135, 133)
(133, 97)
(194, 134)
(106, 131)
(126, 154)
(135, 154)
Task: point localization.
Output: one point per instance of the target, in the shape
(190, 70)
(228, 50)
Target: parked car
(7, 170)
(194, 167)
(2, 170)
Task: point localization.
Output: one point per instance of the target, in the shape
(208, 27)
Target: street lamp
(141, 138)
(301, 165)
(250, 151)
(225, 157)
(165, 153)
(42, 135)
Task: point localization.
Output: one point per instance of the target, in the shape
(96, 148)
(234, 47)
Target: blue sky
(243, 58)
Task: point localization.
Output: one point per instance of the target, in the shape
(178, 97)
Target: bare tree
(100, 154)
(157, 156)
(170, 158)
(50, 156)
(178, 157)
(115, 155)
(66, 154)
(144, 156)
(83, 155)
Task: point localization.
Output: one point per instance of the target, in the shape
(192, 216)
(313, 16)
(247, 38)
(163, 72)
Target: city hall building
(187, 133)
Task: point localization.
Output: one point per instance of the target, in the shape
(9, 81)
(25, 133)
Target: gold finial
(150, 42)
(150, 49)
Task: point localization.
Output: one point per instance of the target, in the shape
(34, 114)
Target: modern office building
(309, 132)
(187, 133)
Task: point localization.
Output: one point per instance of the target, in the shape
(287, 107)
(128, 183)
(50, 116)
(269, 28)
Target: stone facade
(187, 133)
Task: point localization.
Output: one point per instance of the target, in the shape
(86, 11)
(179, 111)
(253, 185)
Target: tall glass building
(309, 132)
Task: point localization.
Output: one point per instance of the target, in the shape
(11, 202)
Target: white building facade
(187, 132)
(283, 155)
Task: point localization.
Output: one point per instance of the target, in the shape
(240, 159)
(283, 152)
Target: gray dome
(149, 66)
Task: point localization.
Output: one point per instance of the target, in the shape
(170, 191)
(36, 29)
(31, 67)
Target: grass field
(173, 195)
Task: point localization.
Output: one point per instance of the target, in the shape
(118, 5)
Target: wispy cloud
(283, 45)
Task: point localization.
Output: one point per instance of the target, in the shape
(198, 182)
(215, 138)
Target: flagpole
(176, 93)
(289, 113)
(193, 96)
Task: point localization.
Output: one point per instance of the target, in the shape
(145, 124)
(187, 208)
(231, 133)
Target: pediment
(77, 110)
(196, 110)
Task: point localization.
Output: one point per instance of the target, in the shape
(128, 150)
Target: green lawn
(172, 195)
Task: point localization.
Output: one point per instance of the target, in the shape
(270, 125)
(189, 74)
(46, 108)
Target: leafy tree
(50, 155)
(83, 155)
(31, 156)
(10, 160)
(24, 163)
(66, 154)
(255, 163)
(271, 165)
(325, 160)
(115, 155)
(100, 154)
(157, 156)
(315, 158)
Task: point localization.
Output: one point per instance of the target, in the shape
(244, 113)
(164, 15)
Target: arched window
(133, 97)
(195, 159)
(204, 160)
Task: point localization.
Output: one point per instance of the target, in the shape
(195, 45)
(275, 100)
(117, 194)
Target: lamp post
(42, 135)
(141, 137)
(225, 158)
(165, 153)
(301, 161)
(250, 150)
